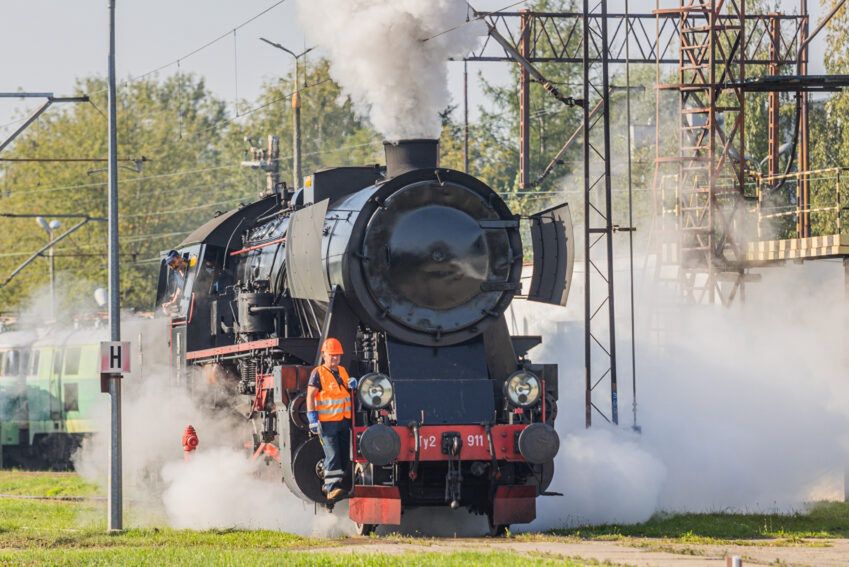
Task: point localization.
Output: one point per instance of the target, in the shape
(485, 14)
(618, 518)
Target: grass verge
(822, 520)
(45, 531)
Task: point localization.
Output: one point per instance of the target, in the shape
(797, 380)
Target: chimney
(405, 155)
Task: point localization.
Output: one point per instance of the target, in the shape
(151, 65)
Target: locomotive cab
(411, 267)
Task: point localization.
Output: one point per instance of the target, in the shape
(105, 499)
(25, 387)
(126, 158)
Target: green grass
(52, 531)
(823, 520)
(72, 532)
(47, 485)
(217, 556)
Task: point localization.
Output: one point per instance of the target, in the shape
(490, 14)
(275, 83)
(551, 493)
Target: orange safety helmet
(332, 346)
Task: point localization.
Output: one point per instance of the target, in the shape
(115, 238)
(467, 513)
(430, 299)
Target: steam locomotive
(411, 266)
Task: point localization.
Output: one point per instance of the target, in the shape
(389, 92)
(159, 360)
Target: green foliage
(551, 122)
(193, 148)
(170, 123)
(829, 132)
(332, 133)
(194, 141)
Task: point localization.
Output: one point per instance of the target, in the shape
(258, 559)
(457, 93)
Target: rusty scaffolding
(703, 187)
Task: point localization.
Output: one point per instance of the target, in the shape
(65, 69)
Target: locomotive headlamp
(523, 389)
(375, 391)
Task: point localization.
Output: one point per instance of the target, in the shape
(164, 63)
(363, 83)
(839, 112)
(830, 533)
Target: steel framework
(708, 45)
(711, 144)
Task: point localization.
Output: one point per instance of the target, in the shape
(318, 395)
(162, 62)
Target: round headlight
(523, 389)
(375, 391)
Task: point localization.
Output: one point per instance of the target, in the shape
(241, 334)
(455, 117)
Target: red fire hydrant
(190, 441)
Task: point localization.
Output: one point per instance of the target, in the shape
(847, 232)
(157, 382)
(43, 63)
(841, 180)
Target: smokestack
(405, 155)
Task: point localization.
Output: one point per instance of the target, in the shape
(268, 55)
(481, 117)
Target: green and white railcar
(51, 399)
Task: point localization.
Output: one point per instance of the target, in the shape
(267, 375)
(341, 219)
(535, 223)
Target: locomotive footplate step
(375, 505)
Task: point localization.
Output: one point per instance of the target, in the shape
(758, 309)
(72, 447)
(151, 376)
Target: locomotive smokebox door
(553, 241)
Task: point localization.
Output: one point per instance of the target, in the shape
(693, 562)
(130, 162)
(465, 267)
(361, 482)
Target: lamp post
(50, 227)
(296, 114)
(115, 500)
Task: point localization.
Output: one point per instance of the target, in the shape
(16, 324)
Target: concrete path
(632, 552)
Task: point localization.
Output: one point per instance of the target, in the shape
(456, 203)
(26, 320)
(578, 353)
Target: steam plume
(738, 406)
(219, 486)
(391, 57)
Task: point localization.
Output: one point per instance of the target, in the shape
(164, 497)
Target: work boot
(335, 494)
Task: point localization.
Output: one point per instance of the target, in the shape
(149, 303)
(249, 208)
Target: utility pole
(297, 175)
(115, 481)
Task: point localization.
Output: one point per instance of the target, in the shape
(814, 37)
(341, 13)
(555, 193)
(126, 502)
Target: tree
(174, 124)
(193, 147)
(332, 133)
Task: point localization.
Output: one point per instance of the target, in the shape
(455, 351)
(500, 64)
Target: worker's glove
(312, 416)
(352, 383)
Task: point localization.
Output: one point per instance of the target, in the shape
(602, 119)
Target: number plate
(473, 437)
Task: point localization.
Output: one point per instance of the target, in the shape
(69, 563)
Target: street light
(296, 113)
(50, 227)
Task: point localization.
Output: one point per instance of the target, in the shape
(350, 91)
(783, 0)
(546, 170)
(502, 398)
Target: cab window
(170, 281)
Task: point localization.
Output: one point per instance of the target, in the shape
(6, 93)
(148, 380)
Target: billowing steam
(741, 409)
(739, 406)
(219, 485)
(391, 56)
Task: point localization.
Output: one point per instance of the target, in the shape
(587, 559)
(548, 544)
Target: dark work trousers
(335, 439)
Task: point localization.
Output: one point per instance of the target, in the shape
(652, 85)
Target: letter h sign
(114, 360)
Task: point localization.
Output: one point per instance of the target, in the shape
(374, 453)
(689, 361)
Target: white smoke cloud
(378, 56)
(219, 485)
(740, 407)
(219, 488)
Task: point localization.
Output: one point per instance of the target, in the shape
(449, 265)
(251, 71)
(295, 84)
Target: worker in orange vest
(329, 410)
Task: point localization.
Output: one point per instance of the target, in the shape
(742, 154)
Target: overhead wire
(177, 61)
(198, 49)
(468, 20)
(181, 209)
(37, 190)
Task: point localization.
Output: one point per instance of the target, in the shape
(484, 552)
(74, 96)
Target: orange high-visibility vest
(333, 402)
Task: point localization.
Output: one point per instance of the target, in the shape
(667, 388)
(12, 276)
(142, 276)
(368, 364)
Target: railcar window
(72, 397)
(72, 361)
(57, 362)
(11, 363)
(34, 363)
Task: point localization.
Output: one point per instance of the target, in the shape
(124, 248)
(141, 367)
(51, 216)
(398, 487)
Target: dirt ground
(632, 551)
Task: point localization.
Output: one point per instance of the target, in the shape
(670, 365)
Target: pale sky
(46, 44)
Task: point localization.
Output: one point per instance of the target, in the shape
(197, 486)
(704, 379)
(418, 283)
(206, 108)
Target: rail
(829, 209)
